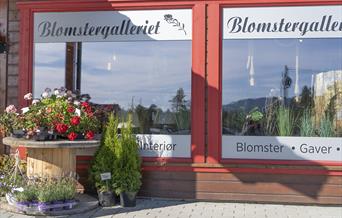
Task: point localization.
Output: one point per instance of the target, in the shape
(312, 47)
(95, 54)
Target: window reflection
(152, 79)
(285, 87)
(49, 67)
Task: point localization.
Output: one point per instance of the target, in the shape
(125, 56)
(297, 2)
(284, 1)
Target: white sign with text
(99, 26)
(282, 22)
(164, 145)
(282, 148)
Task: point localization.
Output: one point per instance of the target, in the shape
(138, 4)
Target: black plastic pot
(128, 199)
(18, 133)
(106, 199)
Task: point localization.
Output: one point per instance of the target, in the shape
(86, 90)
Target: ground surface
(157, 208)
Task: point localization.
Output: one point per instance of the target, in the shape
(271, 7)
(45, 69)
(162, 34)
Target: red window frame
(214, 79)
(28, 8)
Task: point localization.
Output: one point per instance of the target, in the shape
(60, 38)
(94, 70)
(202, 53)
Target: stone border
(86, 204)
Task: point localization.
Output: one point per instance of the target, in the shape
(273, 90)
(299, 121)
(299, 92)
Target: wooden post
(3, 60)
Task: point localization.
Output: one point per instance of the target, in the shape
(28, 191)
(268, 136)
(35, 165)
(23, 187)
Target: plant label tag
(105, 176)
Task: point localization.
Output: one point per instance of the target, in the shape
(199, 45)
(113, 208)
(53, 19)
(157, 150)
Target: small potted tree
(127, 175)
(104, 161)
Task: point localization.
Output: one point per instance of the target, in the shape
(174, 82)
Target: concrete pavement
(159, 208)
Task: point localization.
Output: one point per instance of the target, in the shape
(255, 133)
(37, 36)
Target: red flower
(71, 109)
(75, 120)
(72, 136)
(85, 104)
(61, 128)
(88, 110)
(89, 135)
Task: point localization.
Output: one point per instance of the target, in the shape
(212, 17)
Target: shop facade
(232, 100)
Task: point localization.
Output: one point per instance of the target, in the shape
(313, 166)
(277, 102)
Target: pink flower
(11, 109)
(28, 96)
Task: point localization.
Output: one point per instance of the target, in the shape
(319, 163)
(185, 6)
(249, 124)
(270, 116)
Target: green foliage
(255, 115)
(55, 190)
(28, 194)
(127, 175)
(8, 178)
(307, 127)
(285, 121)
(326, 128)
(104, 159)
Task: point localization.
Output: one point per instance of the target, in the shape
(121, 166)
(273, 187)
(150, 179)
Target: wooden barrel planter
(51, 158)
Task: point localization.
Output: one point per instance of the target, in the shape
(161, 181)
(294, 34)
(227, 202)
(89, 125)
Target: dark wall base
(244, 187)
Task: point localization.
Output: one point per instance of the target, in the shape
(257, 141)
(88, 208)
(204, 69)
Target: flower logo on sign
(169, 19)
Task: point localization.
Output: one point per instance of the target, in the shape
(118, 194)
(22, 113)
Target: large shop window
(127, 61)
(282, 83)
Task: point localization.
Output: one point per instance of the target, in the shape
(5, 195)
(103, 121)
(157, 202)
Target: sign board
(282, 148)
(100, 26)
(164, 145)
(282, 22)
(105, 176)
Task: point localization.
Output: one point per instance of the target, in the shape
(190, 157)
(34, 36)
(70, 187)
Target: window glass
(151, 78)
(49, 67)
(282, 87)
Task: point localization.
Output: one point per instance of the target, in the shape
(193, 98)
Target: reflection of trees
(180, 108)
(145, 117)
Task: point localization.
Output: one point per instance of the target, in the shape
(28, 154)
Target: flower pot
(69, 204)
(106, 199)
(57, 205)
(128, 199)
(44, 206)
(22, 205)
(18, 133)
(34, 204)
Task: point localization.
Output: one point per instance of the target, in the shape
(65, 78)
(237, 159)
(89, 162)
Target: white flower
(77, 103)
(11, 109)
(78, 112)
(35, 101)
(25, 109)
(56, 92)
(45, 95)
(28, 96)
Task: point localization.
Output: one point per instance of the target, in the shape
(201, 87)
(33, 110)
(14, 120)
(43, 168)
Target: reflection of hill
(245, 104)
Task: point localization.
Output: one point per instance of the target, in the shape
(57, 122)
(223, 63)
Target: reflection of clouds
(151, 72)
(44, 77)
(270, 57)
(46, 53)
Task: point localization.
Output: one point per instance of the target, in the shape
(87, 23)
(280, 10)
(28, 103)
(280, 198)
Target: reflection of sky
(143, 72)
(49, 67)
(270, 57)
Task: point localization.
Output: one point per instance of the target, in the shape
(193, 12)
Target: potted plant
(104, 162)
(127, 175)
(57, 113)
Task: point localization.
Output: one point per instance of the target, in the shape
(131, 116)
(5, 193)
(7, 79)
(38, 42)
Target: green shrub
(104, 159)
(127, 175)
